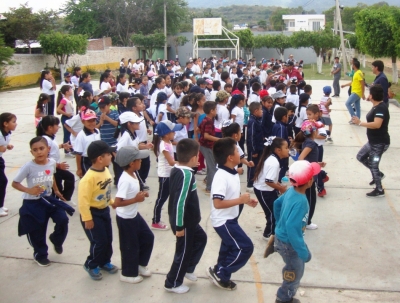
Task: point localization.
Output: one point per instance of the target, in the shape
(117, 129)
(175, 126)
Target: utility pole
(165, 30)
(342, 46)
(334, 50)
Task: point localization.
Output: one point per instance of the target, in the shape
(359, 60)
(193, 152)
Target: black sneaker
(376, 193)
(293, 300)
(42, 262)
(57, 249)
(145, 187)
(373, 181)
(217, 281)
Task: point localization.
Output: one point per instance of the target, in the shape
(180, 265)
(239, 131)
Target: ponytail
(42, 77)
(45, 123)
(119, 77)
(268, 150)
(154, 86)
(42, 97)
(102, 77)
(156, 143)
(62, 92)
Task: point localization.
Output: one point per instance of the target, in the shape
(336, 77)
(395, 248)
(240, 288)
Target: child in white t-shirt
(163, 149)
(300, 112)
(136, 240)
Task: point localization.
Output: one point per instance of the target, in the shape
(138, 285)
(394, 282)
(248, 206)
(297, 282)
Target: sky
(35, 4)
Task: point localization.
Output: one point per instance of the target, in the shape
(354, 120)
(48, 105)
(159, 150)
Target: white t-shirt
(4, 141)
(269, 173)
(179, 135)
(161, 109)
(128, 187)
(47, 87)
(239, 116)
(54, 149)
(76, 124)
(126, 140)
(154, 96)
(321, 132)
(213, 95)
(294, 98)
(254, 98)
(164, 169)
(122, 88)
(273, 111)
(175, 101)
(105, 86)
(233, 77)
(168, 90)
(223, 114)
(84, 139)
(75, 81)
(196, 69)
(225, 186)
(271, 90)
(300, 118)
(142, 132)
(222, 84)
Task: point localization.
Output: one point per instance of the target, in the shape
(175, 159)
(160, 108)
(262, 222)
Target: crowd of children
(204, 125)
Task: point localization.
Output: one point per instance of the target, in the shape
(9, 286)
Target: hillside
(318, 6)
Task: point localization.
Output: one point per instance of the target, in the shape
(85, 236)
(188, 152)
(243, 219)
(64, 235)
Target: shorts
(326, 120)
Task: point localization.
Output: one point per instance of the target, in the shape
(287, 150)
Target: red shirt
(206, 126)
(293, 73)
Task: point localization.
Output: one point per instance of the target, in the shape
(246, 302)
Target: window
(316, 25)
(291, 24)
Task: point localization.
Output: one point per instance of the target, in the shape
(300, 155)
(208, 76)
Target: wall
(29, 67)
(99, 44)
(186, 51)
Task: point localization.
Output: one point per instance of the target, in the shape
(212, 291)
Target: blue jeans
(354, 99)
(292, 272)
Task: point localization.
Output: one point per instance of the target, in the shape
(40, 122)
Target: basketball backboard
(207, 26)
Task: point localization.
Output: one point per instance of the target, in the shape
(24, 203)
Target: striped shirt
(107, 130)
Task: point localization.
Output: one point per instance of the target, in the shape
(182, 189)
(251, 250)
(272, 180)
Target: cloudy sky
(35, 4)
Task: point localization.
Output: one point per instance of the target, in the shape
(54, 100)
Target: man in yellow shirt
(357, 91)
(94, 197)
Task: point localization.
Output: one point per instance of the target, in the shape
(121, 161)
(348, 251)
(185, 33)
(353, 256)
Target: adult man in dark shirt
(291, 71)
(377, 70)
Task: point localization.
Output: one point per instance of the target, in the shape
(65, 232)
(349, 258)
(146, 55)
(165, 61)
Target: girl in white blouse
(48, 86)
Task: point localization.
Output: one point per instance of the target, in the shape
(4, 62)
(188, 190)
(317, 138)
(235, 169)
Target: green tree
(6, 54)
(179, 41)
(262, 24)
(149, 42)
(246, 40)
(23, 24)
(377, 33)
(347, 14)
(62, 46)
(320, 42)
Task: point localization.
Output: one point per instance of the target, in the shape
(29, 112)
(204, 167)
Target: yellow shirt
(94, 191)
(356, 86)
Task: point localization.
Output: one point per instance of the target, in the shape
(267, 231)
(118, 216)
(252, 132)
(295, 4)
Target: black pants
(3, 182)
(171, 117)
(322, 174)
(100, 237)
(144, 169)
(284, 168)
(266, 199)
(77, 99)
(188, 252)
(66, 133)
(296, 130)
(66, 189)
(370, 156)
(311, 195)
(252, 170)
(136, 242)
(163, 194)
(85, 164)
(50, 105)
(37, 238)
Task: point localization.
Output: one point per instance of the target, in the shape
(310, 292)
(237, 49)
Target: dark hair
(230, 130)
(209, 106)
(124, 95)
(83, 102)
(314, 108)
(6, 117)
(224, 76)
(254, 106)
(154, 86)
(223, 148)
(62, 92)
(76, 69)
(376, 92)
(45, 123)
(186, 149)
(256, 87)
(272, 83)
(298, 141)
(235, 83)
(241, 86)
(268, 150)
(379, 65)
(178, 84)
(119, 77)
(38, 139)
(187, 100)
(307, 88)
(85, 75)
(280, 86)
(290, 106)
(103, 76)
(86, 94)
(234, 102)
(293, 88)
(42, 77)
(132, 103)
(280, 112)
(266, 98)
(216, 84)
(42, 97)
(356, 64)
(227, 85)
(196, 98)
(158, 103)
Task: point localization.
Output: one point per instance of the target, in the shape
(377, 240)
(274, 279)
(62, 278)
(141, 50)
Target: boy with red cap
(291, 215)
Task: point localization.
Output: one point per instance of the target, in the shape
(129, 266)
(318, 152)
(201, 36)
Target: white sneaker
(133, 280)
(5, 209)
(3, 213)
(191, 276)
(143, 271)
(178, 290)
(70, 155)
(266, 238)
(312, 226)
(250, 190)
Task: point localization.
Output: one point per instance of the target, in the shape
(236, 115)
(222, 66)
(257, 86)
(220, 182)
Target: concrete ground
(355, 249)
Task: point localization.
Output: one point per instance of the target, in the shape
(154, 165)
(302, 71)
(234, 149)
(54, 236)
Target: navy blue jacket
(280, 130)
(383, 81)
(267, 122)
(255, 135)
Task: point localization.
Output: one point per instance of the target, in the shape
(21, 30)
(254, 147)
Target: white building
(238, 27)
(296, 23)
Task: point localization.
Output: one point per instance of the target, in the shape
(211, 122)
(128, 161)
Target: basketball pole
(165, 30)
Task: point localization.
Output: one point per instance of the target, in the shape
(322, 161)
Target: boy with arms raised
(184, 218)
(236, 247)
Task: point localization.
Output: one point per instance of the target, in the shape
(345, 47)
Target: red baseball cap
(301, 171)
(263, 93)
